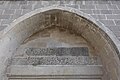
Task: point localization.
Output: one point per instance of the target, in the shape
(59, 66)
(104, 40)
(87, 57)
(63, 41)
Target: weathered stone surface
(101, 6)
(87, 7)
(106, 11)
(113, 16)
(57, 60)
(52, 70)
(62, 51)
(4, 16)
(96, 11)
(108, 22)
(99, 16)
(9, 11)
(112, 7)
(117, 22)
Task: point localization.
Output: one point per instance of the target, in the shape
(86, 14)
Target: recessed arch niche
(79, 23)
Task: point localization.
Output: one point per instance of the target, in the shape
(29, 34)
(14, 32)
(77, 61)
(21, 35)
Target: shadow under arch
(100, 37)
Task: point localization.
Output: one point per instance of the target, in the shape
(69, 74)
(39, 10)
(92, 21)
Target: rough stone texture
(75, 51)
(56, 60)
(55, 56)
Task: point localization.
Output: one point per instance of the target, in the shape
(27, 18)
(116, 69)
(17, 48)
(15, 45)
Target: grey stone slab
(118, 6)
(53, 44)
(26, 11)
(23, 2)
(26, 6)
(18, 11)
(55, 70)
(1, 11)
(55, 3)
(15, 16)
(13, 2)
(57, 60)
(117, 22)
(117, 33)
(32, 2)
(6, 21)
(79, 51)
(112, 6)
(75, 51)
(87, 6)
(74, 6)
(96, 11)
(5, 6)
(78, 2)
(87, 11)
(108, 22)
(113, 27)
(119, 39)
(0, 21)
(119, 54)
(106, 11)
(62, 3)
(37, 6)
(9, 11)
(47, 3)
(69, 2)
(1, 2)
(4, 16)
(116, 11)
(115, 2)
(2, 27)
(99, 16)
(101, 6)
(14, 6)
(102, 2)
(87, 2)
(117, 16)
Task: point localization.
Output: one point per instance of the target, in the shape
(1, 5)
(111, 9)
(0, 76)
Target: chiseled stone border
(6, 37)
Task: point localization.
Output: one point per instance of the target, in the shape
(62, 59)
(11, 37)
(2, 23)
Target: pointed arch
(99, 36)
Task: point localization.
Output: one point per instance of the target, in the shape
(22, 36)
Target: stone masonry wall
(17, 33)
(106, 11)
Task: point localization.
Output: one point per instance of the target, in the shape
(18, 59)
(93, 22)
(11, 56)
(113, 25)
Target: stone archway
(71, 19)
